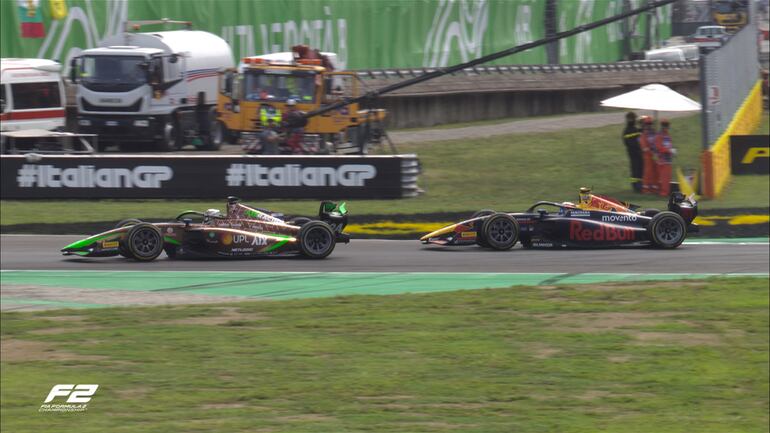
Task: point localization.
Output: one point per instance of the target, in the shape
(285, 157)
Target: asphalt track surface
(41, 252)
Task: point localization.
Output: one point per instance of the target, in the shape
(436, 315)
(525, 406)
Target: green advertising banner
(366, 34)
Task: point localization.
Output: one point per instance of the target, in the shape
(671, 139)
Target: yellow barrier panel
(685, 187)
(716, 160)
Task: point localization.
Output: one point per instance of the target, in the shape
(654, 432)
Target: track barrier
(168, 176)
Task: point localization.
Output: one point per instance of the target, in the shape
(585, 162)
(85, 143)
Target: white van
(665, 55)
(31, 95)
(691, 51)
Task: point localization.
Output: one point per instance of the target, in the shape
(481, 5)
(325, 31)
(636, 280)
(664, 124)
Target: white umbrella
(653, 97)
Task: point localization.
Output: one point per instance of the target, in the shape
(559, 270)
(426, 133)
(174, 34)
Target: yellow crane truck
(262, 88)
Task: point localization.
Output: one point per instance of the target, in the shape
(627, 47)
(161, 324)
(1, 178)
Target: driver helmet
(213, 213)
(585, 194)
(291, 102)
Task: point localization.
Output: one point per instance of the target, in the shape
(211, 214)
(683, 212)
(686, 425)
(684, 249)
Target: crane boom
(484, 59)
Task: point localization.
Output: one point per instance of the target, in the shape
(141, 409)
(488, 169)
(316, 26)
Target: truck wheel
(216, 137)
(500, 231)
(144, 242)
(316, 240)
(170, 141)
(667, 230)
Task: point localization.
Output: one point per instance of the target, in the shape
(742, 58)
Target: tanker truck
(157, 87)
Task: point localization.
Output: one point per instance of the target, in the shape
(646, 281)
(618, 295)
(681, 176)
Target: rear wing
(334, 214)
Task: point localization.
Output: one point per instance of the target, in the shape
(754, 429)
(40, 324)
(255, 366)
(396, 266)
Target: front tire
(667, 230)
(316, 240)
(144, 242)
(122, 250)
(480, 240)
(500, 231)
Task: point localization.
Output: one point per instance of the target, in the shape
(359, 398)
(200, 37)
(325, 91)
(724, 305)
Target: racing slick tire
(316, 240)
(480, 241)
(482, 212)
(128, 222)
(299, 221)
(500, 231)
(125, 223)
(144, 242)
(667, 230)
(650, 212)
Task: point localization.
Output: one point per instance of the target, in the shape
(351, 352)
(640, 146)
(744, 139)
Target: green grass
(505, 173)
(648, 357)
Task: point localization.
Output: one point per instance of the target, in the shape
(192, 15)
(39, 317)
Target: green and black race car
(241, 232)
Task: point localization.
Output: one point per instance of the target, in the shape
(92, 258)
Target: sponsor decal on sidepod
(601, 233)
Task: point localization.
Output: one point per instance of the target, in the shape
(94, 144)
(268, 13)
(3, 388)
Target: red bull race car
(596, 221)
(241, 232)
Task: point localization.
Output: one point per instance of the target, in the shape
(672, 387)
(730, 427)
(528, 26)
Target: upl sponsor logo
(601, 233)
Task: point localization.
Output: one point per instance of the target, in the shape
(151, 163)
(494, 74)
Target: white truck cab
(158, 87)
(31, 95)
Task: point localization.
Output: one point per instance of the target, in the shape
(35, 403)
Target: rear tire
(500, 231)
(667, 230)
(316, 240)
(144, 242)
(299, 221)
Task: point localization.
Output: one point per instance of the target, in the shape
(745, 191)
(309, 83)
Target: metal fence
(728, 75)
(731, 100)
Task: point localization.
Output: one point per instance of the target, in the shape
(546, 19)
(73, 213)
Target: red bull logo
(601, 233)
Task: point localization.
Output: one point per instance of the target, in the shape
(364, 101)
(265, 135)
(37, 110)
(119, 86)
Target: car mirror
(542, 212)
(186, 222)
(74, 70)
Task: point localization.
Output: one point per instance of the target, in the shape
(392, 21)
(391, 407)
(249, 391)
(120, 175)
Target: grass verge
(506, 173)
(646, 357)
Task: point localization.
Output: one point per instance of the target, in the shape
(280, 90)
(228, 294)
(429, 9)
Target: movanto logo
(354, 175)
(88, 176)
(618, 218)
(78, 397)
